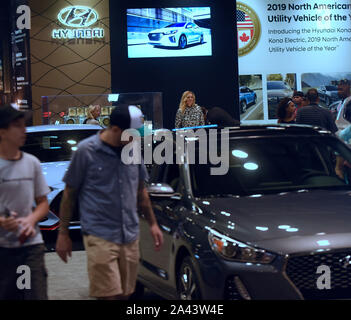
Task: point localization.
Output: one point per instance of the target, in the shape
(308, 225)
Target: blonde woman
(93, 114)
(189, 113)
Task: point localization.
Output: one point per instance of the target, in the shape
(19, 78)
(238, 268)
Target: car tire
(182, 43)
(187, 283)
(243, 106)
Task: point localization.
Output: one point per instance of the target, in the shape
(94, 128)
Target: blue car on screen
(247, 97)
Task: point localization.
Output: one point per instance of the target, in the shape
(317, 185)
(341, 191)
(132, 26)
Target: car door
(156, 266)
(197, 32)
(251, 95)
(192, 36)
(246, 94)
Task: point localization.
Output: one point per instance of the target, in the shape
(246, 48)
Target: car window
(51, 146)
(166, 173)
(172, 175)
(157, 173)
(261, 165)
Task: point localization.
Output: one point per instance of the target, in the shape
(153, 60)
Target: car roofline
(261, 127)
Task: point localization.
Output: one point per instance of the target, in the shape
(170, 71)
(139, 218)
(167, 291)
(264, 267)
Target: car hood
(279, 93)
(54, 172)
(161, 30)
(286, 223)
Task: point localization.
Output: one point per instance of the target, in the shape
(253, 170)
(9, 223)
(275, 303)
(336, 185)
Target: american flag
(243, 20)
(245, 28)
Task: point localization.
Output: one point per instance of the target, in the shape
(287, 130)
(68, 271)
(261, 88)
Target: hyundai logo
(77, 16)
(345, 262)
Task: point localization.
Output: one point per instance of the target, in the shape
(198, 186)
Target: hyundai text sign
(79, 18)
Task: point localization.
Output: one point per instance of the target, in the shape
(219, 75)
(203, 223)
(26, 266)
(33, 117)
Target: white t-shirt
(21, 181)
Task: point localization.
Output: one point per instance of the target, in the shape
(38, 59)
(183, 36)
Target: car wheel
(243, 106)
(182, 42)
(187, 283)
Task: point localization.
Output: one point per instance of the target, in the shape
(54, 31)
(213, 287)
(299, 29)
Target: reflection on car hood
(161, 30)
(54, 172)
(263, 221)
(279, 93)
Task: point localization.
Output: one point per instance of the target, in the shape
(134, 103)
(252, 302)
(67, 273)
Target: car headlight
(171, 32)
(237, 251)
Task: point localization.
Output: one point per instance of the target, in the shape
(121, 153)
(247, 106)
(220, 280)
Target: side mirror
(162, 190)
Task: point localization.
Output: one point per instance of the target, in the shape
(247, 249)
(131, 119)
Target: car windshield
(274, 165)
(176, 25)
(276, 85)
(331, 88)
(51, 146)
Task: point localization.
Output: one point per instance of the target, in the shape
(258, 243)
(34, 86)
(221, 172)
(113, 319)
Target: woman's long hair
(91, 109)
(281, 110)
(182, 104)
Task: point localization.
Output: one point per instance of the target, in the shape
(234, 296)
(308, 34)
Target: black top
(316, 115)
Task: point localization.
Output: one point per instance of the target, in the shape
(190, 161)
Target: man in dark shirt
(315, 115)
(109, 193)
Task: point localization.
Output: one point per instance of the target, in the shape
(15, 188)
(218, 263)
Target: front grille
(302, 270)
(155, 36)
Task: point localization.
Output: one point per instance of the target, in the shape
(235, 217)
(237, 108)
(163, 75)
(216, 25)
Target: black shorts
(23, 275)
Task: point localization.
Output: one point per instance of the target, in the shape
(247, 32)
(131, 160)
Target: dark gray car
(328, 94)
(264, 230)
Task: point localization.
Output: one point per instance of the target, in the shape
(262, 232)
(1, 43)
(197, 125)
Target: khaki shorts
(112, 267)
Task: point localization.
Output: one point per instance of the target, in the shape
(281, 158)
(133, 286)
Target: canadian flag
(244, 37)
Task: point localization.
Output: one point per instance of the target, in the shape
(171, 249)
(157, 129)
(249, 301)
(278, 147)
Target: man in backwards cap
(21, 184)
(108, 192)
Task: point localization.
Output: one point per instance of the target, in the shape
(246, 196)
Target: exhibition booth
(242, 56)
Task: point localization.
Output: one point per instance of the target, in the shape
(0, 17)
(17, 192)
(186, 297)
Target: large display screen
(169, 32)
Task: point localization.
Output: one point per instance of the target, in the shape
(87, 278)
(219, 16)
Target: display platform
(72, 109)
